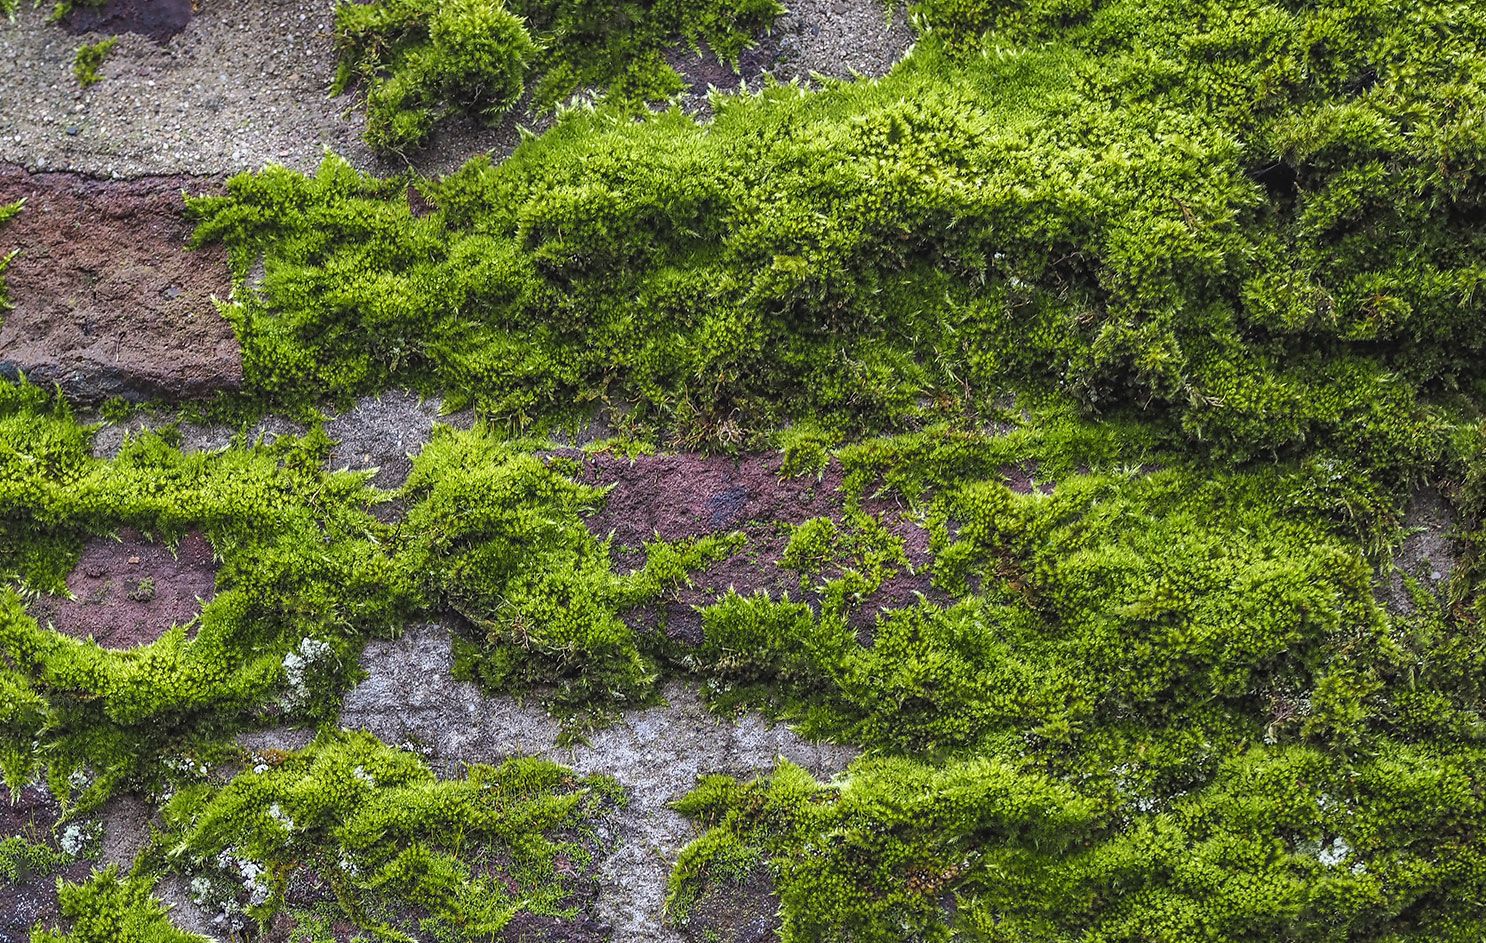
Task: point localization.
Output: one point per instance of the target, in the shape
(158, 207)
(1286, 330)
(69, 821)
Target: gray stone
(657, 753)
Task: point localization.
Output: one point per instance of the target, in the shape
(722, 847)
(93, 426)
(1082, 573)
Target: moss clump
(1283, 844)
(1227, 255)
(1095, 209)
(1237, 737)
(497, 536)
(426, 60)
(20, 858)
(302, 582)
(618, 47)
(1162, 599)
(352, 830)
(844, 562)
(108, 908)
(494, 534)
(90, 59)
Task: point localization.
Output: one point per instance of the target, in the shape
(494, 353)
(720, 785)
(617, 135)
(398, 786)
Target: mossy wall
(1084, 200)
(1208, 269)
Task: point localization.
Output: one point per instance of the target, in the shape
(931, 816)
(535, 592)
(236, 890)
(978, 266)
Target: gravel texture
(246, 83)
(125, 821)
(840, 38)
(409, 697)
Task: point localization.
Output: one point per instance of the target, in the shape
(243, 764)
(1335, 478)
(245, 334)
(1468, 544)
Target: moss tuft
(90, 59)
(427, 60)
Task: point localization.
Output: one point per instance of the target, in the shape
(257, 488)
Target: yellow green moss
(426, 60)
(90, 59)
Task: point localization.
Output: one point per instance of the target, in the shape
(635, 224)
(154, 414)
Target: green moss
(302, 582)
(1224, 255)
(494, 534)
(904, 830)
(1284, 844)
(1085, 211)
(90, 59)
(1127, 655)
(1116, 599)
(844, 563)
(427, 60)
(392, 849)
(1195, 657)
(20, 858)
(498, 535)
(108, 908)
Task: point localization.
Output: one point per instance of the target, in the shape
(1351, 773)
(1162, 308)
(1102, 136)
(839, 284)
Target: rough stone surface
(383, 432)
(128, 592)
(108, 301)
(259, 743)
(677, 497)
(157, 19)
(813, 40)
(125, 820)
(840, 38)
(1428, 553)
(409, 697)
(243, 83)
(174, 891)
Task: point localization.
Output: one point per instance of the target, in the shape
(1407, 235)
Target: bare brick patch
(157, 19)
(131, 591)
(108, 299)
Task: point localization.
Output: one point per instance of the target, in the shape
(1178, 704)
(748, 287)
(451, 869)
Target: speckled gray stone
(246, 83)
(409, 697)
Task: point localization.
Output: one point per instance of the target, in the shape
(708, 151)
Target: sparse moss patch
(8, 212)
(90, 59)
(350, 830)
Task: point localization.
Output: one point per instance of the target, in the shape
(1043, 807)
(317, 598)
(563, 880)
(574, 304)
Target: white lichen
(300, 665)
